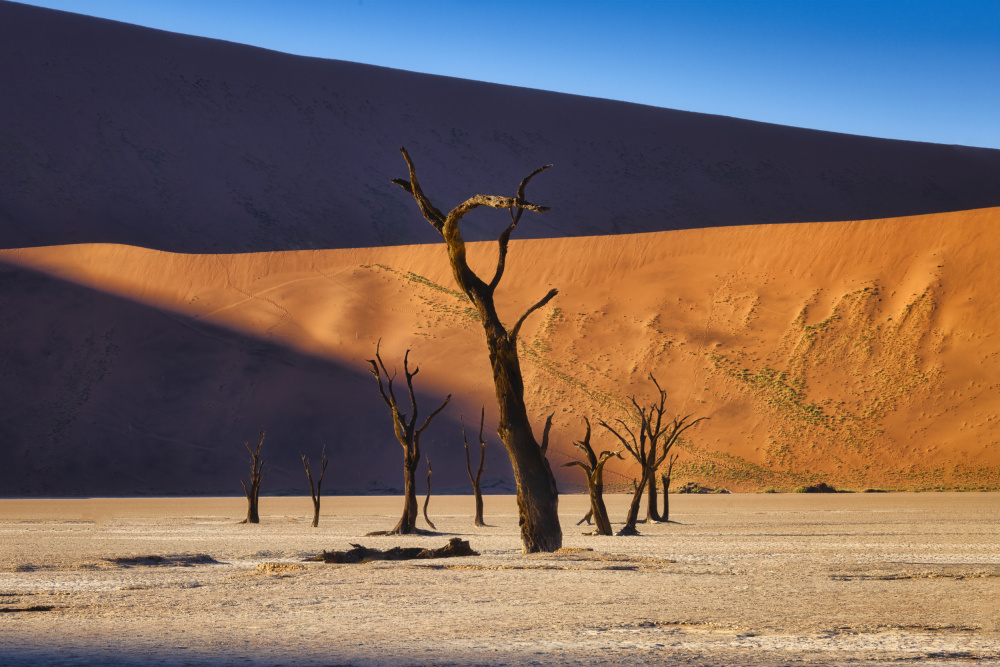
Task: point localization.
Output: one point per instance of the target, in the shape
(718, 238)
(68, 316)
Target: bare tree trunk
(256, 475)
(537, 495)
(408, 436)
(652, 510)
(475, 479)
(427, 499)
(408, 521)
(649, 427)
(602, 524)
(633, 510)
(253, 509)
(665, 478)
(314, 490)
(594, 467)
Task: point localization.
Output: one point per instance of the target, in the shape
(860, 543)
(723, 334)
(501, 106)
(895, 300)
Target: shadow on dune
(106, 396)
(114, 133)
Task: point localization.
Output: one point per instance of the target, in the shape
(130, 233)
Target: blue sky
(919, 70)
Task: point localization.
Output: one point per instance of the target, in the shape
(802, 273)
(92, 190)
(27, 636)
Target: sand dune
(863, 354)
(112, 133)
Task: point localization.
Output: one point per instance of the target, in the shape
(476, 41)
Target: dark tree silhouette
(476, 487)
(427, 499)
(665, 478)
(646, 448)
(594, 468)
(256, 475)
(537, 495)
(408, 436)
(314, 490)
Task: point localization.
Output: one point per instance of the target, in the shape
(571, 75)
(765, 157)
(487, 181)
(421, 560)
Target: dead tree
(427, 499)
(407, 434)
(594, 467)
(665, 478)
(648, 451)
(256, 475)
(537, 495)
(476, 488)
(314, 490)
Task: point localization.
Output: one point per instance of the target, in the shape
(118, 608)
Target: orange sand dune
(863, 354)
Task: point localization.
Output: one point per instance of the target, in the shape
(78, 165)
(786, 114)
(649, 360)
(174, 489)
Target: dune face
(111, 133)
(862, 354)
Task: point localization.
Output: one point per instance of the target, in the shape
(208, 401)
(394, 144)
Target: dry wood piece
(35, 607)
(408, 436)
(537, 495)
(256, 475)
(476, 488)
(456, 547)
(181, 560)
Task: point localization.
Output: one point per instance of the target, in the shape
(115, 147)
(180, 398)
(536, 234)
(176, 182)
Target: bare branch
(493, 201)
(409, 386)
(605, 457)
(545, 434)
(465, 441)
(429, 211)
(515, 217)
(512, 336)
(678, 428)
(433, 415)
(585, 445)
(482, 445)
(632, 448)
(427, 499)
(524, 184)
(389, 399)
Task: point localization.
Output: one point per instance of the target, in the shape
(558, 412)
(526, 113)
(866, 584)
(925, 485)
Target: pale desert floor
(739, 579)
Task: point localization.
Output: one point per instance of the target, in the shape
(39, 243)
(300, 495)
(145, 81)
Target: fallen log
(359, 554)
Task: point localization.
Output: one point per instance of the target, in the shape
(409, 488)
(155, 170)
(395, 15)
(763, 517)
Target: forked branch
(512, 336)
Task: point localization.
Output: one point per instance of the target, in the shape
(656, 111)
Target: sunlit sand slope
(863, 354)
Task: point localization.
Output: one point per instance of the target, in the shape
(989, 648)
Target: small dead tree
(427, 499)
(594, 468)
(665, 478)
(407, 434)
(476, 487)
(648, 450)
(537, 495)
(314, 490)
(256, 475)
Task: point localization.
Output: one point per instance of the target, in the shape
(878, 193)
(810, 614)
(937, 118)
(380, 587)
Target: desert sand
(740, 579)
(861, 354)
